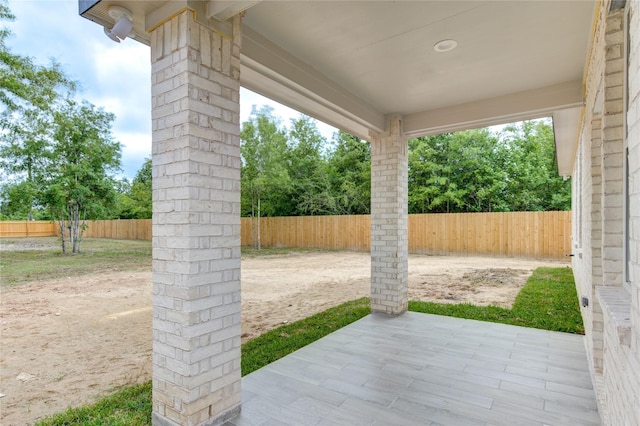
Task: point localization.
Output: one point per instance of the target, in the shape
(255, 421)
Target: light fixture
(123, 26)
(445, 45)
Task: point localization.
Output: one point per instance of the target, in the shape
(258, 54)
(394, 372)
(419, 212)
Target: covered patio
(421, 369)
(385, 72)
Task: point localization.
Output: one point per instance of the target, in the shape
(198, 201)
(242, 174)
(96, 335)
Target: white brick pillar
(389, 221)
(196, 221)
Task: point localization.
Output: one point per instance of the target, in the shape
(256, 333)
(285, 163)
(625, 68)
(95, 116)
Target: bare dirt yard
(67, 341)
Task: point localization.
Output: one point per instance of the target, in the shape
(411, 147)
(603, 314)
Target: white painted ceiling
(354, 63)
(383, 53)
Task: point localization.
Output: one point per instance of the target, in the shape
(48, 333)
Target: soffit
(382, 52)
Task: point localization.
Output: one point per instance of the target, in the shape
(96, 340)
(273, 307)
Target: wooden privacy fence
(539, 235)
(28, 228)
(121, 229)
(324, 232)
(117, 229)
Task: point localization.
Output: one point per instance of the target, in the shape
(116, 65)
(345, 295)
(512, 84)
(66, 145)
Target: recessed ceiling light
(445, 45)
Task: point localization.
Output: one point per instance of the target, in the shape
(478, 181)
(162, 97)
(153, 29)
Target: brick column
(196, 222)
(389, 221)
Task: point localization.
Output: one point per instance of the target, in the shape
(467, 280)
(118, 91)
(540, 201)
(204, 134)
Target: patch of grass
(130, 406)
(548, 301)
(48, 262)
(277, 343)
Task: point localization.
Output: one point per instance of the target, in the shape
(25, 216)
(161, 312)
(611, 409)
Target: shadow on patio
(427, 370)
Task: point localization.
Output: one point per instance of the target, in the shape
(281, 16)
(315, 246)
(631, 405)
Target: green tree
(310, 183)
(24, 156)
(124, 207)
(477, 171)
(426, 172)
(533, 183)
(134, 199)
(17, 201)
(24, 84)
(79, 182)
(57, 155)
(140, 192)
(28, 95)
(264, 176)
(349, 168)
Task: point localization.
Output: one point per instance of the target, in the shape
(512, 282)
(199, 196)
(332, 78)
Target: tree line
(297, 172)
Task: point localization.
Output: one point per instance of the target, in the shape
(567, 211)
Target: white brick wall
(196, 222)
(588, 267)
(389, 221)
(612, 323)
(621, 370)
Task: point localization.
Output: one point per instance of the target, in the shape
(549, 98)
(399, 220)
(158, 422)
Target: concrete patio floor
(421, 369)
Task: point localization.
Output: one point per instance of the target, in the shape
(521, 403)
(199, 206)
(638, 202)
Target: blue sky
(114, 76)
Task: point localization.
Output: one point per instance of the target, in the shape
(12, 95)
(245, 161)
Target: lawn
(547, 301)
(21, 266)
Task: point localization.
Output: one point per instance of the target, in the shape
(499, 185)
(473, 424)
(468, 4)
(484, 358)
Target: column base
(158, 420)
(388, 313)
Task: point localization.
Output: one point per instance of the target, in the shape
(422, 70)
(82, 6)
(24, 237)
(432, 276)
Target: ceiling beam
(510, 108)
(223, 10)
(566, 130)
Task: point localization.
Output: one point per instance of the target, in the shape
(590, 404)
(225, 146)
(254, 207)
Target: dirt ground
(65, 342)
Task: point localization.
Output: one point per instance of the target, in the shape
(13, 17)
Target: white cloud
(136, 147)
(123, 85)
